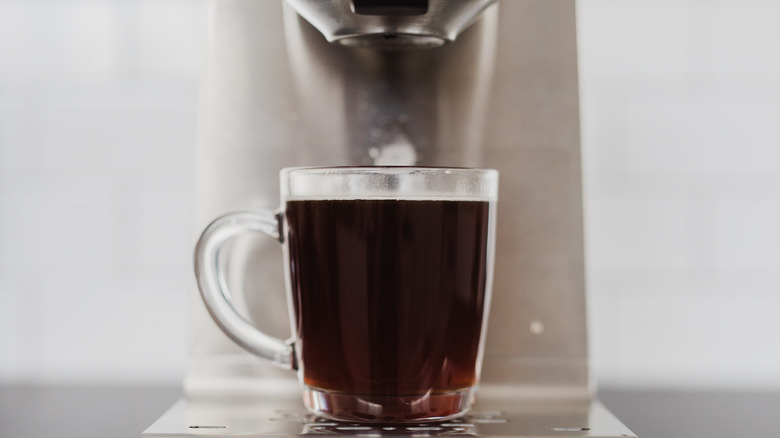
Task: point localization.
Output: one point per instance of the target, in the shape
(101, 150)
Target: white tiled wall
(98, 107)
(681, 153)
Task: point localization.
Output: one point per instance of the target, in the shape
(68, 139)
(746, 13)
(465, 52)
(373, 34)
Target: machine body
(473, 83)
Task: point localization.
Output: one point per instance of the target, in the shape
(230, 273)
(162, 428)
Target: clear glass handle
(214, 291)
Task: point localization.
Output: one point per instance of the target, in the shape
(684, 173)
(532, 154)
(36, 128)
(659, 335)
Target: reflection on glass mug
(389, 273)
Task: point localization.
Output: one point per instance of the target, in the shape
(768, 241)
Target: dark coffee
(388, 294)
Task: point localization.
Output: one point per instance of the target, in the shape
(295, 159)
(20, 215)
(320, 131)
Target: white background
(681, 152)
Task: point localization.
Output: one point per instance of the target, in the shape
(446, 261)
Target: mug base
(361, 408)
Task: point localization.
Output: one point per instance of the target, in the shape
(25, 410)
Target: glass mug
(389, 275)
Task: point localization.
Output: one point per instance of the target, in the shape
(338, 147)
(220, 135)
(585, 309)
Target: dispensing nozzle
(391, 24)
(390, 7)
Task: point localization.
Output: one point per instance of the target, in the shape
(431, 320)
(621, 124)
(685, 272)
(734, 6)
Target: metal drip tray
(286, 417)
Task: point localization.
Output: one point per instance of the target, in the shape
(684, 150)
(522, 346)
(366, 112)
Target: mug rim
(387, 169)
(388, 182)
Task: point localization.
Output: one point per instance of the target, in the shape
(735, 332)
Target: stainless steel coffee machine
(474, 83)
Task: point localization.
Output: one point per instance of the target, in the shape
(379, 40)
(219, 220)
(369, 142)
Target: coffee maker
(467, 83)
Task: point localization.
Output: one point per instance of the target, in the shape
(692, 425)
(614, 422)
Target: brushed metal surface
(537, 339)
(443, 21)
(504, 95)
(286, 417)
